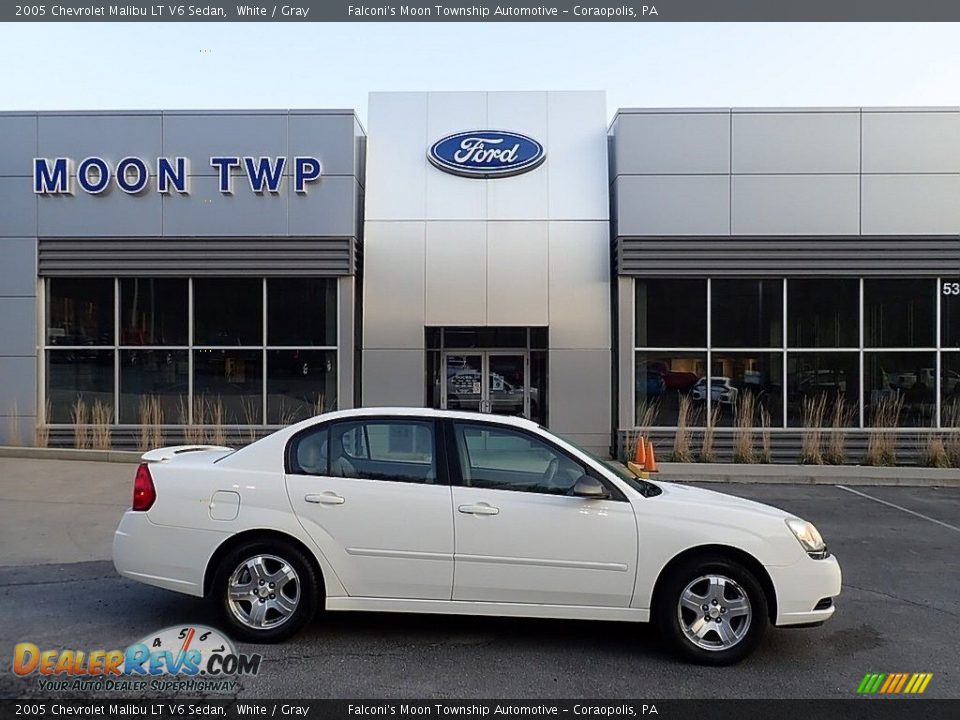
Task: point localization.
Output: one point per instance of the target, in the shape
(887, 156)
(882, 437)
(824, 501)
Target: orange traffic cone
(640, 455)
(651, 465)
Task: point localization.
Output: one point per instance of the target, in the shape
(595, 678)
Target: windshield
(644, 487)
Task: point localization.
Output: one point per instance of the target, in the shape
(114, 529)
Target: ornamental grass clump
(813, 410)
(681, 440)
(882, 441)
(708, 453)
(841, 416)
(79, 419)
(743, 450)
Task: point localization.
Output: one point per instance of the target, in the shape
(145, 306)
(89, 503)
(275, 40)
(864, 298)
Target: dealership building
(505, 252)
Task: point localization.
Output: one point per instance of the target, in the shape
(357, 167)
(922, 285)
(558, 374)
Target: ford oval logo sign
(486, 153)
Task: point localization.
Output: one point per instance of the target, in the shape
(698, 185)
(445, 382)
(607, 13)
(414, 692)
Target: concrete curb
(671, 472)
(115, 456)
(809, 474)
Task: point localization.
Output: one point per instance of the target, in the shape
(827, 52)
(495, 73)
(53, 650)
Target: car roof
(357, 413)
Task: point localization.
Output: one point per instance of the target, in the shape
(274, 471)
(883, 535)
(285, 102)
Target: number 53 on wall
(951, 288)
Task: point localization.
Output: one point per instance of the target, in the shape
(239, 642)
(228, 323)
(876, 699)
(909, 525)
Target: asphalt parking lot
(899, 609)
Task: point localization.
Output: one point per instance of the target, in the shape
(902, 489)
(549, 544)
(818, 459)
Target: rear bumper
(173, 558)
(800, 587)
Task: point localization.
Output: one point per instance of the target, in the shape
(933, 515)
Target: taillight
(144, 493)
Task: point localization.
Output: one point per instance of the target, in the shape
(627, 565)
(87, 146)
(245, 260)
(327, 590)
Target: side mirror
(590, 489)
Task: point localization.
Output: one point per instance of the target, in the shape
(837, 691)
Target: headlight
(809, 537)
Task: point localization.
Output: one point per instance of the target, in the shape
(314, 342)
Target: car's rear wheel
(266, 590)
(712, 610)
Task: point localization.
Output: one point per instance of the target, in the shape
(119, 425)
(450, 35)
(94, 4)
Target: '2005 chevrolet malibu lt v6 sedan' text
(415, 510)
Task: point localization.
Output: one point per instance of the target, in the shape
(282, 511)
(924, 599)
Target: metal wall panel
(18, 207)
(111, 213)
(911, 142)
(112, 136)
(329, 211)
(580, 394)
(396, 156)
(393, 295)
(132, 257)
(19, 387)
(456, 273)
(672, 204)
(577, 148)
(794, 205)
(526, 196)
(911, 204)
(18, 144)
(393, 378)
(19, 268)
(18, 326)
(199, 136)
(450, 197)
(796, 142)
(695, 143)
(517, 268)
(791, 257)
(326, 135)
(579, 285)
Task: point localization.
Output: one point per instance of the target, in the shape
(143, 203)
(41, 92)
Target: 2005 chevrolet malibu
(414, 510)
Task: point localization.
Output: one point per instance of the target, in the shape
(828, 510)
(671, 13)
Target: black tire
(274, 553)
(675, 624)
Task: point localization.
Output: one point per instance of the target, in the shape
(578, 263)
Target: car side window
(311, 453)
(398, 450)
(505, 459)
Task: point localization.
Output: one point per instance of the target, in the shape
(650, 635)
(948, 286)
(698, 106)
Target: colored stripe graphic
(894, 683)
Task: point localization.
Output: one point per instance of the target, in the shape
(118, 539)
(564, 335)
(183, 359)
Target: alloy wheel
(714, 612)
(263, 592)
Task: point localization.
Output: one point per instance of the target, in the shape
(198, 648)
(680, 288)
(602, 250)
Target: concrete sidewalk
(809, 474)
(58, 511)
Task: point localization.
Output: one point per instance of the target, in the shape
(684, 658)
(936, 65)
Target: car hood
(688, 495)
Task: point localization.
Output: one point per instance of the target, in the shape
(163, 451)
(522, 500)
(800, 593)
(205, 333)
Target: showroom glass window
(80, 340)
(669, 314)
(899, 361)
(859, 347)
(823, 355)
(192, 351)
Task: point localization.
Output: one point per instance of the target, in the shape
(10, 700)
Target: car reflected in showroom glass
(433, 511)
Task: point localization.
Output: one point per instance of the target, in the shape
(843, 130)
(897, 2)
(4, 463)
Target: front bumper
(173, 558)
(801, 586)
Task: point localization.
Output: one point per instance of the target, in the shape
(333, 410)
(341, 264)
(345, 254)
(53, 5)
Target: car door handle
(327, 498)
(479, 509)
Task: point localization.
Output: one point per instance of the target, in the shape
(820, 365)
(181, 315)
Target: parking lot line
(900, 507)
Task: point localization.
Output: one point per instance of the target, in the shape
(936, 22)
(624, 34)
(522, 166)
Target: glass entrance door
(493, 382)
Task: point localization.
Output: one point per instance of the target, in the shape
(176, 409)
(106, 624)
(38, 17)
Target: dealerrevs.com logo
(192, 658)
(894, 683)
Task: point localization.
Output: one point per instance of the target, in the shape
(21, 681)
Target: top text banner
(482, 11)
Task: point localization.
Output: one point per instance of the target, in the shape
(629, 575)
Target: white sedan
(414, 510)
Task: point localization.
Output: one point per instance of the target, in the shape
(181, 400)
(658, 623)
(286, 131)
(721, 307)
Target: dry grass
(766, 450)
(13, 427)
(934, 453)
(79, 418)
(151, 421)
(646, 415)
(101, 418)
(41, 437)
(194, 433)
(251, 416)
(319, 406)
(841, 416)
(813, 411)
(743, 449)
(217, 431)
(951, 441)
(708, 453)
(681, 440)
(882, 442)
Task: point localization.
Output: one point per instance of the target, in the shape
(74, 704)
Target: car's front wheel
(266, 591)
(712, 610)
